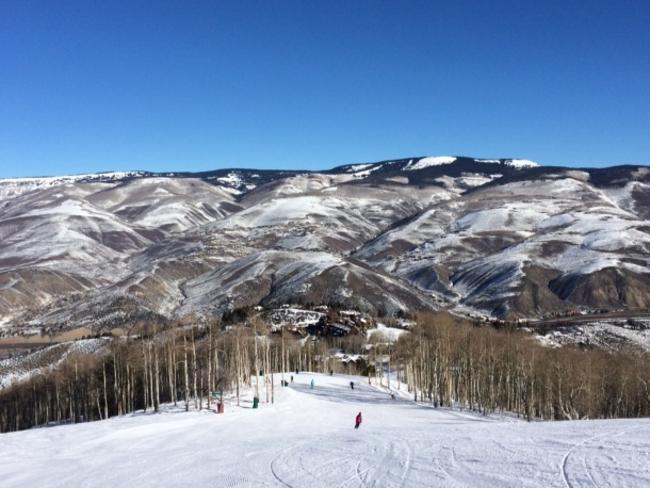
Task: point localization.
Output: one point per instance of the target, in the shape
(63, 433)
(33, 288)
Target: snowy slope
(11, 187)
(306, 439)
(170, 203)
(476, 250)
(20, 368)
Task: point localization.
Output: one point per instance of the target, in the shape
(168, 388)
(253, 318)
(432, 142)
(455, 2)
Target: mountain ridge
(490, 237)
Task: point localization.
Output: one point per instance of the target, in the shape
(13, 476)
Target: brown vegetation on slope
(453, 363)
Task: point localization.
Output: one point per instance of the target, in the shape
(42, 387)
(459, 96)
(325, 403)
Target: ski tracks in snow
(306, 440)
(606, 473)
(366, 461)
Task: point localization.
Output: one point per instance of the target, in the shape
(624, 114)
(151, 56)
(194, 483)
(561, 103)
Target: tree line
(447, 363)
(443, 361)
(183, 364)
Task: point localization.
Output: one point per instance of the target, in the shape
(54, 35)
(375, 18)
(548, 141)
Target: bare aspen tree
(170, 370)
(266, 367)
(239, 362)
(150, 374)
(282, 360)
(156, 372)
(116, 397)
(145, 379)
(105, 392)
(256, 362)
(194, 368)
(186, 373)
(211, 352)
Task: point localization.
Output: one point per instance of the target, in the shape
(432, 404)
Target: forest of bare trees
(442, 360)
(182, 365)
(448, 363)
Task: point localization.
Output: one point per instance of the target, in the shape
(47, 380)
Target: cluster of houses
(319, 321)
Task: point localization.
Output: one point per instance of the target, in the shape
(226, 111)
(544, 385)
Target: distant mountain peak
(521, 163)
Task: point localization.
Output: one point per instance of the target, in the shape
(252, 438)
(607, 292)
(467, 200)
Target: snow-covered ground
(389, 334)
(604, 334)
(307, 439)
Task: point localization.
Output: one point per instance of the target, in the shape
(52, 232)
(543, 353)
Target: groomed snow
(307, 439)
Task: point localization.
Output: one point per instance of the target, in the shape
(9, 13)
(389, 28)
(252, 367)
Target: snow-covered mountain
(500, 237)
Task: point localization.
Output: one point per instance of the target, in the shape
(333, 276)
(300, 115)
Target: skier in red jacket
(357, 423)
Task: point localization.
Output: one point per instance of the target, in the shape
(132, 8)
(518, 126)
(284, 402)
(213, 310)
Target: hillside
(306, 438)
(496, 238)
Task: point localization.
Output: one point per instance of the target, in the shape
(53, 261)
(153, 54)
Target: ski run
(306, 438)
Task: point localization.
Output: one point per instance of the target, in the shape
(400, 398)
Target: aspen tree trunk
(210, 352)
(186, 373)
(257, 364)
(201, 392)
(57, 406)
(238, 366)
(128, 388)
(151, 381)
(99, 407)
(116, 393)
(105, 394)
(282, 353)
(76, 382)
(156, 404)
(145, 376)
(400, 367)
(170, 374)
(133, 388)
(266, 367)
(174, 367)
(195, 369)
(221, 385)
(34, 399)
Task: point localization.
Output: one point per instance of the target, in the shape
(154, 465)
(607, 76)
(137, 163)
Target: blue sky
(100, 85)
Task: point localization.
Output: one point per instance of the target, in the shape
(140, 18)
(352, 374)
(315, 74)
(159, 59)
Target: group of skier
(358, 419)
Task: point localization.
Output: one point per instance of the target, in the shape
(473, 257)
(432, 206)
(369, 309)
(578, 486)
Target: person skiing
(311, 385)
(352, 385)
(358, 420)
(291, 378)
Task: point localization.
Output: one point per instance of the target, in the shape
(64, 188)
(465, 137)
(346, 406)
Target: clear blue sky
(97, 85)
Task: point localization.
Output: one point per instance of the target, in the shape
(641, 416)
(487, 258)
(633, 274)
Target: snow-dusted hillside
(306, 439)
(500, 237)
(10, 187)
(483, 249)
(19, 368)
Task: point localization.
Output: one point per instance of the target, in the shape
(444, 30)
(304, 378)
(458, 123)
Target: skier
(357, 422)
(311, 385)
(291, 378)
(352, 385)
